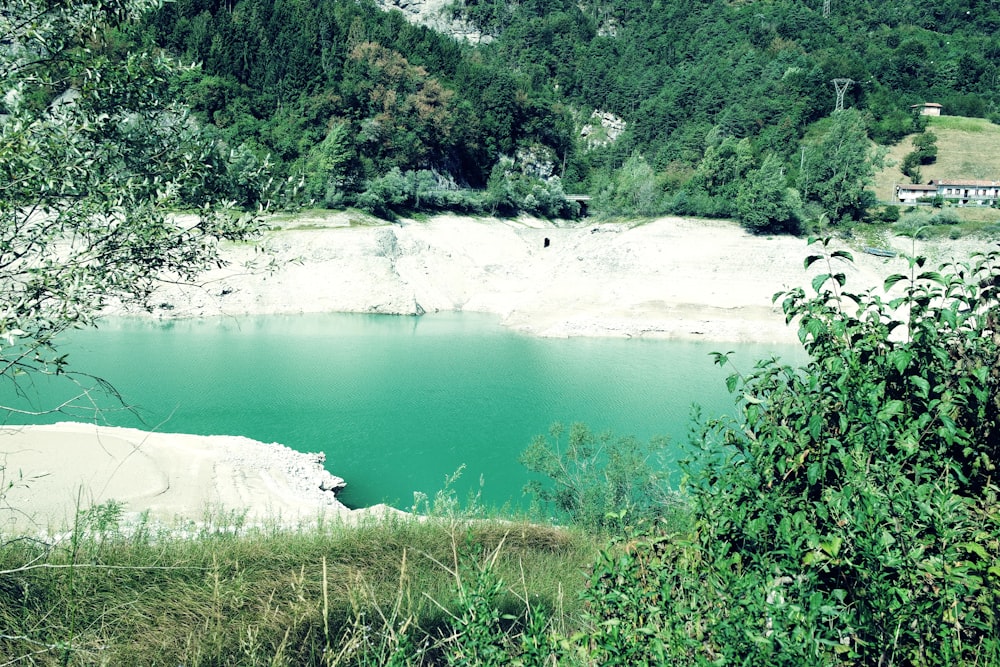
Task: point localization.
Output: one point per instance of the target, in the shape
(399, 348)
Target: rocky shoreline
(665, 278)
(178, 482)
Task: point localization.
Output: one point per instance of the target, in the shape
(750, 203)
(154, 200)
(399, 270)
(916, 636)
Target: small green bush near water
(598, 481)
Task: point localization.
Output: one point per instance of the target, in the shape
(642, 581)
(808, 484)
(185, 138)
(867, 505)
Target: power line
(841, 86)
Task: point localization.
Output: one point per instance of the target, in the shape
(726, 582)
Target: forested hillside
(727, 106)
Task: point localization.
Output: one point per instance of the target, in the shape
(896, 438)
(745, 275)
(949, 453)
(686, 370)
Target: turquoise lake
(396, 403)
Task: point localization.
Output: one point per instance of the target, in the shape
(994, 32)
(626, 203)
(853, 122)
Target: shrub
(642, 591)
(411, 191)
(597, 480)
(848, 515)
(510, 190)
(889, 214)
(946, 218)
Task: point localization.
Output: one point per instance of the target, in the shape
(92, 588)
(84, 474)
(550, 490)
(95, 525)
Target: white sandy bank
(179, 481)
(670, 278)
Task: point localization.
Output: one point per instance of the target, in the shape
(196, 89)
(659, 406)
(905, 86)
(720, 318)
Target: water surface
(397, 403)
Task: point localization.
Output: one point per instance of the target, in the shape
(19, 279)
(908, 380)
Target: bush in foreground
(849, 514)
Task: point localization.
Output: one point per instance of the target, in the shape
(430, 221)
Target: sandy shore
(182, 482)
(669, 278)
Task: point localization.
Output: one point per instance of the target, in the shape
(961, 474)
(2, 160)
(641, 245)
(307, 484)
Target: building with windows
(915, 194)
(957, 192)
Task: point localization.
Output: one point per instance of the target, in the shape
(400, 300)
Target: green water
(397, 403)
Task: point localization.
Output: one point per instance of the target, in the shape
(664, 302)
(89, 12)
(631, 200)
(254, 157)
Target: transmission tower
(841, 86)
(826, 9)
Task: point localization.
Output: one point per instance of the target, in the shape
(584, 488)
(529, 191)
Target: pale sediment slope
(671, 277)
(179, 480)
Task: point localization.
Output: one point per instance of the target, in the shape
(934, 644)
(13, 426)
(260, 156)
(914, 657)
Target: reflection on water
(397, 403)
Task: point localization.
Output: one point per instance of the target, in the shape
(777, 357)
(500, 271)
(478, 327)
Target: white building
(928, 108)
(959, 192)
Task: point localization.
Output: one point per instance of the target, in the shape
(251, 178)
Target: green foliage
(909, 168)
(924, 152)
(720, 176)
(837, 169)
(480, 639)
(687, 79)
(94, 160)
(599, 481)
(765, 203)
(925, 145)
(919, 223)
(330, 167)
(102, 518)
(970, 105)
(896, 124)
(643, 591)
(634, 190)
(889, 214)
(398, 192)
(511, 189)
(846, 516)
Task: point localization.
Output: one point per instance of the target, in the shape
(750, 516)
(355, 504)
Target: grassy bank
(387, 591)
(968, 148)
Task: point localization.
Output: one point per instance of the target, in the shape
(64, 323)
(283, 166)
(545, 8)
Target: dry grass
(333, 595)
(967, 148)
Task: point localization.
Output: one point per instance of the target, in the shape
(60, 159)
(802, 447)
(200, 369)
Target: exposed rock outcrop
(604, 128)
(436, 15)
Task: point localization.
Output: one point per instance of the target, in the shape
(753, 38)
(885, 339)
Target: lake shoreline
(671, 277)
(179, 482)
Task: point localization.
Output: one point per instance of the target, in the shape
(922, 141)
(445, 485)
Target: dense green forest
(728, 106)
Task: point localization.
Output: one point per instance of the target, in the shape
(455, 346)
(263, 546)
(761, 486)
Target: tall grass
(962, 123)
(393, 591)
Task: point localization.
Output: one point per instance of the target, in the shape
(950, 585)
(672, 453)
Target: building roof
(933, 105)
(917, 187)
(966, 183)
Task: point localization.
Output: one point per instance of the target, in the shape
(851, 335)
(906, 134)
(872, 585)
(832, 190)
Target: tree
(94, 161)
(910, 167)
(330, 165)
(858, 491)
(837, 169)
(925, 146)
(924, 152)
(765, 203)
(634, 189)
(511, 189)
(724, 166)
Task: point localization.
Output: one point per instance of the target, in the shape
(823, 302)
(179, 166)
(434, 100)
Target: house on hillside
(913, 194)
(928, 108)
(959, 192)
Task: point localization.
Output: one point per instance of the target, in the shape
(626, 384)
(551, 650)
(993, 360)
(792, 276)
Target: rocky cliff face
(435, 14)
(602, 129)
